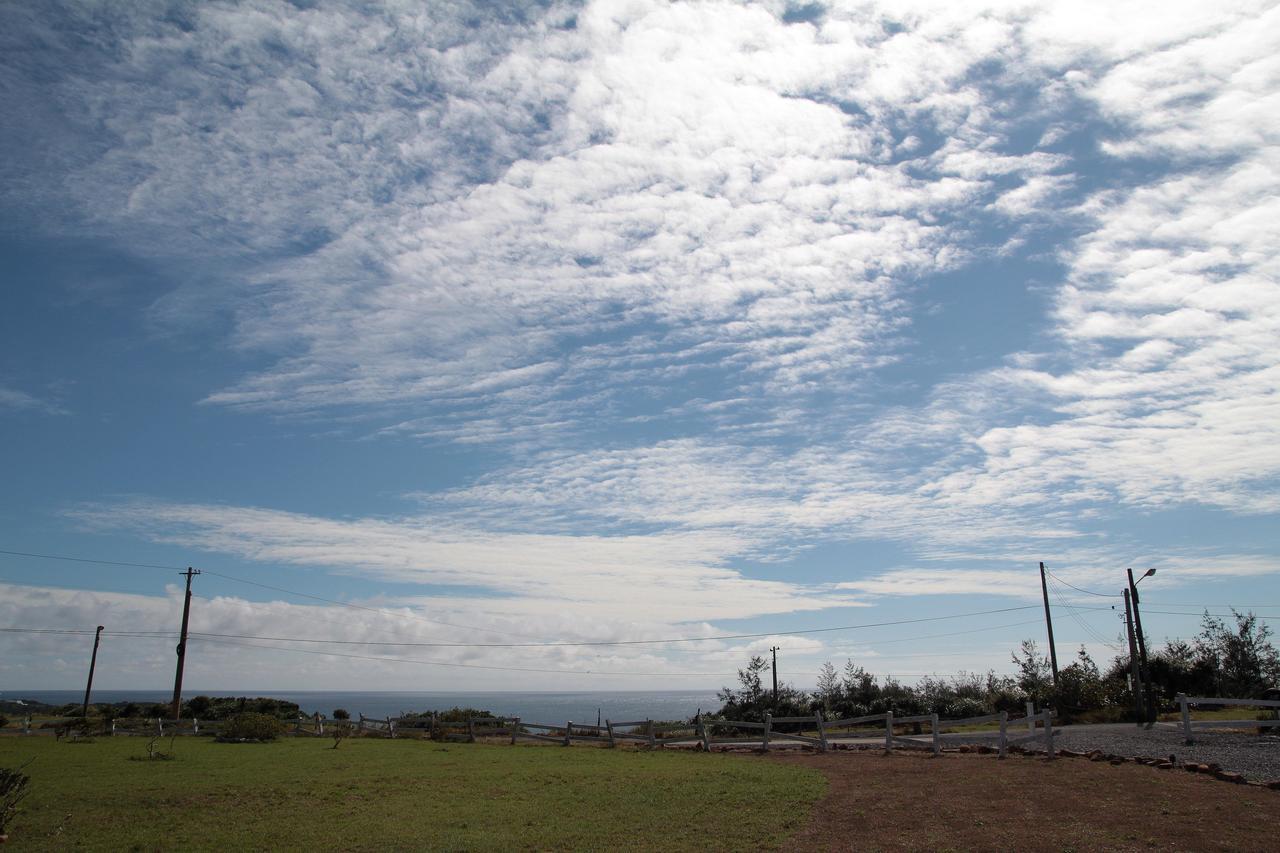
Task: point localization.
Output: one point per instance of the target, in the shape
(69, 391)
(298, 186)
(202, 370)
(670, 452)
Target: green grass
(401, 794)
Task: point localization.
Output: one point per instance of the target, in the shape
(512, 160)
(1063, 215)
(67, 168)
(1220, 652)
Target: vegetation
(251, 726)
(14, 787)
(1229, 661)
(379, 794)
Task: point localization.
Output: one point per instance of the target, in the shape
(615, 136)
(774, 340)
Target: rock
(1191, 768)
(987, 750)
(1165, 765)
(1203, 768)
(1098, 756)
(1117, 760)
(1070, 753)
(1227, 776)
(1274, 784)
(966, 748)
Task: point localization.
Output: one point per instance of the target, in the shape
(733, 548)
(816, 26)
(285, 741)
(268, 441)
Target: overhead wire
(1079, 589)
(1071, 611)
(454, 665)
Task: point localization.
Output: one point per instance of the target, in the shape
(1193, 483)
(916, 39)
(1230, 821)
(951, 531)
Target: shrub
(960, 709)
(251, 726)
(341, 714)
(14, 785)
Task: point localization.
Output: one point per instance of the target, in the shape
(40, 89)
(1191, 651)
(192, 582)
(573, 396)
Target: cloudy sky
(498, 324)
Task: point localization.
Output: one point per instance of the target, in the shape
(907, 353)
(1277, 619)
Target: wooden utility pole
(1142, 646)
(774, 649)
(93, 662)
(1135, 674)
(182, 645)
(1048, 621)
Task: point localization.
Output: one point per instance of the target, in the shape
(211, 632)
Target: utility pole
(1142, 644)
(182, 645)
(93, 662)
(1048, 621)
(774, 649)
(1138, 711)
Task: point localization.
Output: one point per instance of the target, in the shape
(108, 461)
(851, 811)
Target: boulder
(1227, 776)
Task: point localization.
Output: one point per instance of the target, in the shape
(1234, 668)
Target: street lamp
(1142, 643)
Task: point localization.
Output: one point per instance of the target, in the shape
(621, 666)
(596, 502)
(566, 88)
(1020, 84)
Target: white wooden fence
(1188, 724)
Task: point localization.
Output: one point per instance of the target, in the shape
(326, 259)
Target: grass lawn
(401, 794)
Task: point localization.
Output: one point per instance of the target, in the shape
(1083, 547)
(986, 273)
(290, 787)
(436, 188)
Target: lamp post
(1142, 642)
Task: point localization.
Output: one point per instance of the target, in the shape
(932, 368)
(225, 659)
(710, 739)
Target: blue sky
(631, 320)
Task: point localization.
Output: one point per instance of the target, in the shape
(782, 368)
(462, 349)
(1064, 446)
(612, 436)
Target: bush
(341, 714)
(14, 785)
(252, 726)
(960, 709)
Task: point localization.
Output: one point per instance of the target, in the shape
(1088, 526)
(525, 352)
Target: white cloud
(678, 576)
(16, 400)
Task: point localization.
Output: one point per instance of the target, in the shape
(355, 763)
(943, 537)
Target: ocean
(551, 708)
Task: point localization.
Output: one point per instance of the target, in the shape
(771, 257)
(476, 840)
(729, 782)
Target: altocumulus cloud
(538, 227)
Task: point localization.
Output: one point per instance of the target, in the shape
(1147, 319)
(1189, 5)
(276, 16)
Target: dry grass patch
(974, 802)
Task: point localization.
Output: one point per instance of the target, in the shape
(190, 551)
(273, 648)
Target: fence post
(1004, 737)
(159, 726)
(391, 727)
(706, 734)
(568, 729)
(653, 740)
(431, 732)
(822, 731)
(1186, 717)
(515, 728)
(113, 728)
(195, 724)
(888, 731)
(768, 725)
(471, 730)
(26, 725)
(1031, 718)
(937, 744)
(1048, 732)
(608, 725)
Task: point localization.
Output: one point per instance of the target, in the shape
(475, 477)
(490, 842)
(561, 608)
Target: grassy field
(402, 794)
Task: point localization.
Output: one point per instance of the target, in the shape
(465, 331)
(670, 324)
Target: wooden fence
(813, 731)
(1188, 724)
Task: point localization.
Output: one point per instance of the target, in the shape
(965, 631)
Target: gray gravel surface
(1257, 757)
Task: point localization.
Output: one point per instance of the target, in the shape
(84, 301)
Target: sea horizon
(541, 705)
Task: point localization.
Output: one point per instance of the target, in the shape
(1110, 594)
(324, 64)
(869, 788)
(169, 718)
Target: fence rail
(1188, 724)
(814, 731)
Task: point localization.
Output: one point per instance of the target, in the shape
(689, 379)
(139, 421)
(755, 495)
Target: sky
(500, 328)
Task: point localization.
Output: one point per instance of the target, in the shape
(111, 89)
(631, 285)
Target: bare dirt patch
(974, 802)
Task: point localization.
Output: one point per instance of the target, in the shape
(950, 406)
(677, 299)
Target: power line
(575, 643)
(98, 562)
(464, 665)
(493, 631)
(1071, 611)
(1085, 591)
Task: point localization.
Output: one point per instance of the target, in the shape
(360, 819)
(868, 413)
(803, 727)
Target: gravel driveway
(1257, 757)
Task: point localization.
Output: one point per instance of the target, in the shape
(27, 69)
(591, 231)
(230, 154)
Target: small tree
(828, 693)
(1035, 677)
(14, 786)
(1243, 660)
(341, 714)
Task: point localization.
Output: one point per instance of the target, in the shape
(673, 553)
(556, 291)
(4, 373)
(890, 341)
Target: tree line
(1223, 660)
